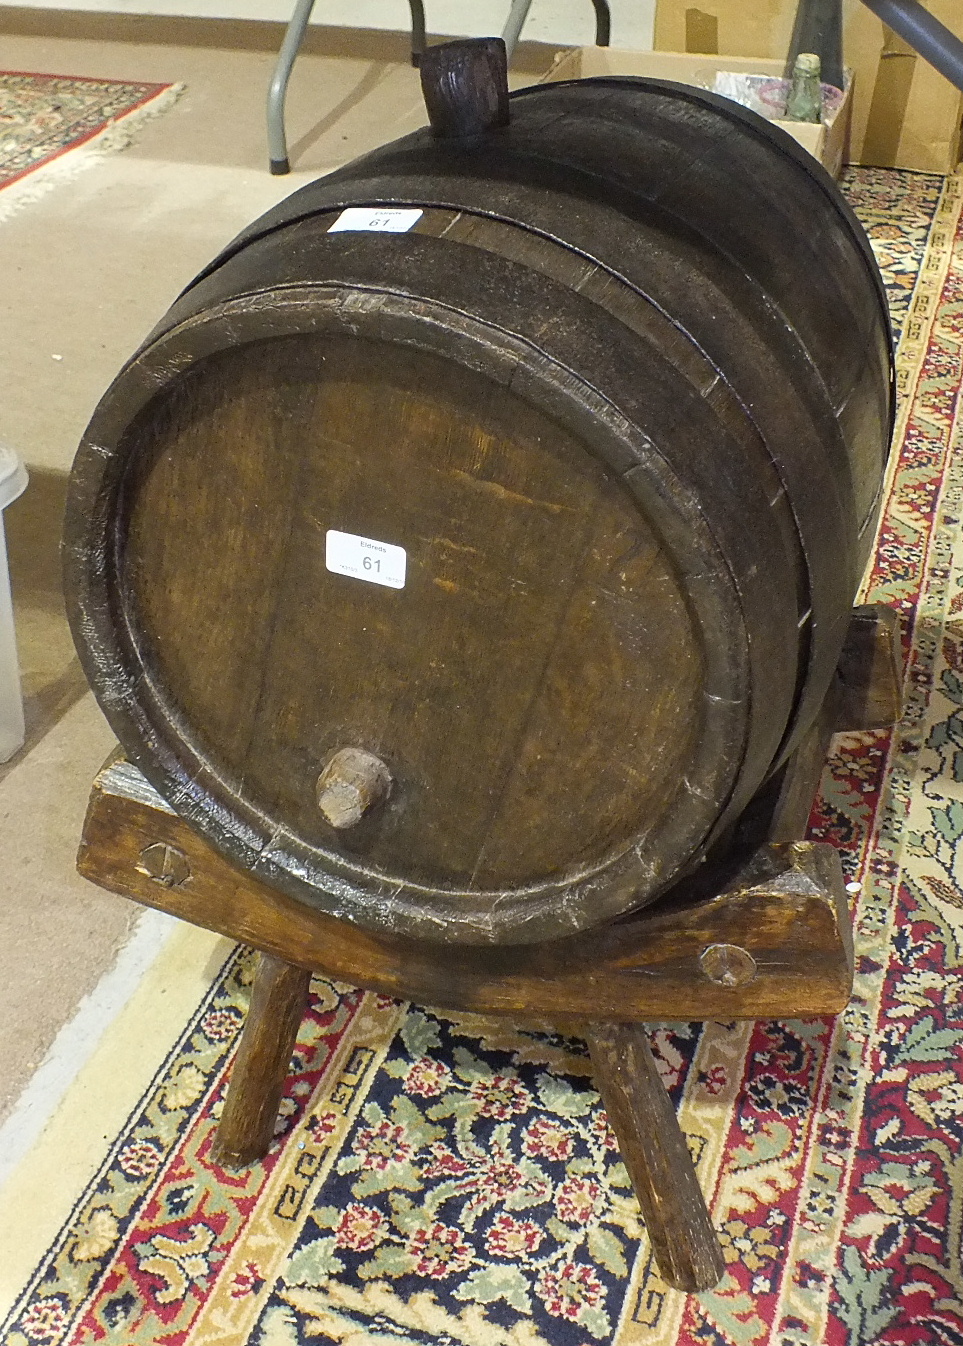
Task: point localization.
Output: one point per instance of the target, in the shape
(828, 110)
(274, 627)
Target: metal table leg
(277, 143)
(603, 23)
(293, 37)
(519, 13)
(419, 39)
(925, 34)
(516, 20)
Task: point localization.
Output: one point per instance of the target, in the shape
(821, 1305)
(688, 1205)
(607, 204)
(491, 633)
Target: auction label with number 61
(382, 220)
(364, 558)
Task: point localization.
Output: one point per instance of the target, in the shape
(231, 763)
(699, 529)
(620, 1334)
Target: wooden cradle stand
(762, 932)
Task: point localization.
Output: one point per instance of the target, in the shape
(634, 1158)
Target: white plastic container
(13, 480)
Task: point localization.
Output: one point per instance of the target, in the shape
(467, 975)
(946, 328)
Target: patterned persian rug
(442, 1180)
(46, 117)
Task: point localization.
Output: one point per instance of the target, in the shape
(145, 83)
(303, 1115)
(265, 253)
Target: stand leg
(278, 1001)
(655, 1153)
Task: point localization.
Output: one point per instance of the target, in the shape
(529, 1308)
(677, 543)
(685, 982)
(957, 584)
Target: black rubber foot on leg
(280, 166)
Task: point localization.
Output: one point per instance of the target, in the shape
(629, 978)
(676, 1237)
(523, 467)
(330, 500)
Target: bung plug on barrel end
(351, 785)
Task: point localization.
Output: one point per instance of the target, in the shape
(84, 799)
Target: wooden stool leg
(655, 1153)
(279, 998)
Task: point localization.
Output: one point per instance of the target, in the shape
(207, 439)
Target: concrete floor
(86, 272)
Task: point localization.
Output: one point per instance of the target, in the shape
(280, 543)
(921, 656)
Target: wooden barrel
(466, 574)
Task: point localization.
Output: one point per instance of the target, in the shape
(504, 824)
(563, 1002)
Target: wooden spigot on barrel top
(466, 565)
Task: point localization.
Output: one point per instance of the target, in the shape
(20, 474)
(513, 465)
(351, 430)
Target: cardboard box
(904, 115)
(827, 142)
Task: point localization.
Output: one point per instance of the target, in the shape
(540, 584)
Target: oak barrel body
(615, 407)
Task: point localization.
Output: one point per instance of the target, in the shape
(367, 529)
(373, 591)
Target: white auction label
(363, 558)
(386, 220)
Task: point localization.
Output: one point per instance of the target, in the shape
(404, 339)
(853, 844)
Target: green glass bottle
(805, 101)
